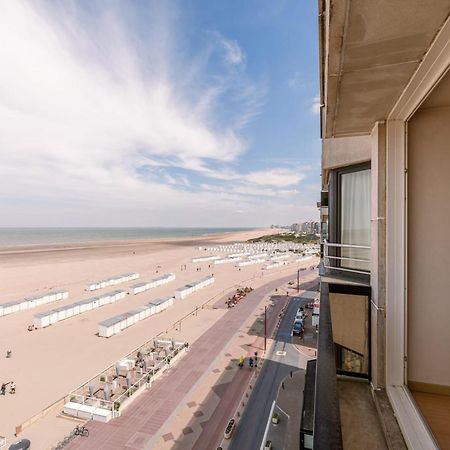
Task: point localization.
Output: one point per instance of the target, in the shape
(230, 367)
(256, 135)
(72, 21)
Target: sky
(158, 113)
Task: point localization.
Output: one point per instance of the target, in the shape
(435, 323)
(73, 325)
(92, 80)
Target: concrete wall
(429, 246)
(341, 152)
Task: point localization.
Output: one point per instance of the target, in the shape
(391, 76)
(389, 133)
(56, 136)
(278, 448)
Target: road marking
(267, 426)
(281, 353)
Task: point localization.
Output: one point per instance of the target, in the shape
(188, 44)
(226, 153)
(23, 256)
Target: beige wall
(428, 222)
(341, 152)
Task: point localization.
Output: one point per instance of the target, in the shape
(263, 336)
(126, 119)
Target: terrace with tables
(103, 397)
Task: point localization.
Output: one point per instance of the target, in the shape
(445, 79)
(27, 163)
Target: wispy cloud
(232, 51)
(315, 106)
(276, 177)
(95, 115)
(296, 82)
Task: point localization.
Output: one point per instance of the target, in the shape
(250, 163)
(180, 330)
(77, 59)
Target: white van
(300, 314)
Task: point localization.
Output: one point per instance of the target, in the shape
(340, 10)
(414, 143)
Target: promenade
(140, 426)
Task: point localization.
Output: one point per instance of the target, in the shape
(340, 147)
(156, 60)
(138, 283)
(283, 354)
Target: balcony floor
(436, 411)
(361, 428)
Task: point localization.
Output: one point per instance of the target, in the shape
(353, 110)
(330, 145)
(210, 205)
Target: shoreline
(193, 240)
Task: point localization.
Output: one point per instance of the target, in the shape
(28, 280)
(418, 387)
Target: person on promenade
(241, 361)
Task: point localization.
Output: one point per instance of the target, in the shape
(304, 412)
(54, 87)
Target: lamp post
(298, 280)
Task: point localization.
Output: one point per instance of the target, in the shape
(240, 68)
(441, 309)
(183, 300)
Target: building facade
(383, 358)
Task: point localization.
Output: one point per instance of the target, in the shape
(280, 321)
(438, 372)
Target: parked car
(298, 327)
(300, 314)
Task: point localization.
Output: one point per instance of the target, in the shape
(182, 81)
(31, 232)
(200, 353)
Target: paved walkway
(142, 420)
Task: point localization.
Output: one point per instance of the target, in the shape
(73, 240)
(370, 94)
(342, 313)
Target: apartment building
(383, 367)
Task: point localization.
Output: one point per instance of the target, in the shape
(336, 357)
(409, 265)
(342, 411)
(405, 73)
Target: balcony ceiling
(372, 48)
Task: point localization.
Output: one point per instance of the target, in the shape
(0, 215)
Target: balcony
(345, 412)
(345, 264)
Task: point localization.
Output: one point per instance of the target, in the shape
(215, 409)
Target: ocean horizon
(23, 236)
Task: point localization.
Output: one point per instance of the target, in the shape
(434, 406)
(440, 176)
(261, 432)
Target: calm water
(11, 237)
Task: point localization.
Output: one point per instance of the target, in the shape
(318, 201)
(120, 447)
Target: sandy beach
(48, 363)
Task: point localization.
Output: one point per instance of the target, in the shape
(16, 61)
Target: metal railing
(338, 259)
(147, 376)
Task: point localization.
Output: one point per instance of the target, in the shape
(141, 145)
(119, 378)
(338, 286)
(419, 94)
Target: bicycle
(81, 430)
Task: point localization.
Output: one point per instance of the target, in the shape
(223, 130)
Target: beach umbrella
(23, 444)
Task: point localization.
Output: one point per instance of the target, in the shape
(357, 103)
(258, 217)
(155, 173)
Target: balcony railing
(338, 259)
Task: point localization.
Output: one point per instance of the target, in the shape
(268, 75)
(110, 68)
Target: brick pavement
(141, 421)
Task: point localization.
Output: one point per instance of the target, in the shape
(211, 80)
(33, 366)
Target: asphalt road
(281, 359)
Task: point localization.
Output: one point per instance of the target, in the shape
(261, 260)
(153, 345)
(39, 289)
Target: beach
(48, 363)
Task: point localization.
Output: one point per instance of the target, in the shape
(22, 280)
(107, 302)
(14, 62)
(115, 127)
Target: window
(355, 218)
(349, 217)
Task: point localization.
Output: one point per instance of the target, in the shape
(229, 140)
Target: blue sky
(158, 113)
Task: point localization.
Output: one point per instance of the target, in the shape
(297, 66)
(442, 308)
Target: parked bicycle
(81, 430)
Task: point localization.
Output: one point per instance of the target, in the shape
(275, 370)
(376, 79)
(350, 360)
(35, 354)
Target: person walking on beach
(3, 389)
(12, 389)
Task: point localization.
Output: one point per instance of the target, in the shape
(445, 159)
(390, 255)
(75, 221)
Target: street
(281, 359)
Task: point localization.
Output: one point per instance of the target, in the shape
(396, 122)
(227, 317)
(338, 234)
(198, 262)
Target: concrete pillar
(378, 255)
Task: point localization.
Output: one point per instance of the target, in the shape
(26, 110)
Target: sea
(14, 237)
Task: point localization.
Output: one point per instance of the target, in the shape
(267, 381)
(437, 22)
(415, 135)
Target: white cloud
(315, 106)
(276, 177)
(94, 116)
(296, 82)
(232, 51)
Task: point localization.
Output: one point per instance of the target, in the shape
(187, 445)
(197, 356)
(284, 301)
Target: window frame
(335, 208)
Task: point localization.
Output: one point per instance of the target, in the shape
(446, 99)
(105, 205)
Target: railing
(146, 378)
(338, 259)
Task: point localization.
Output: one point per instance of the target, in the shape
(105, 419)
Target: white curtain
(355, 217)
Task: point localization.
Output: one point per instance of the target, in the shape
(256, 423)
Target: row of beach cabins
(113, 281)
(243, 259)
(47, 318)
(116, 324)
(31, 302)
(257, 247)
